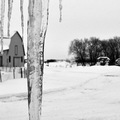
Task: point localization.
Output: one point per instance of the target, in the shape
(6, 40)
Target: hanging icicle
(2, 23)
(60, 8)
(45, 14)
(10, 4)
(22, 17)
(37, 27)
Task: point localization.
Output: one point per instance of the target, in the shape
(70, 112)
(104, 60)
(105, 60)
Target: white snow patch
(79, 93)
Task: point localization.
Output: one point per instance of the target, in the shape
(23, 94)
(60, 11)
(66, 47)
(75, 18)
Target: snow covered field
(78, 93)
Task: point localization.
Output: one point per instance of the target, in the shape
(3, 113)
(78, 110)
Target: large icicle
(2, 23)
(10, 4)
(22, 18)
(60, 8)
(37, 27)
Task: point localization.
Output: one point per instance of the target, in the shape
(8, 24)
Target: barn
(13, 51)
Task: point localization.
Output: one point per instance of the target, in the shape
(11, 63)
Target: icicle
(10, 3)
(60, 8)
(2, 23)
(22, 17)
(45, 14)
(37, 27)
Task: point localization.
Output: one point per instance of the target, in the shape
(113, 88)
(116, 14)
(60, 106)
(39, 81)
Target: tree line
(88, 50)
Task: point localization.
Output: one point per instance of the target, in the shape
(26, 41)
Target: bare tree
(78, 49)
(104, 47)
(94, 49)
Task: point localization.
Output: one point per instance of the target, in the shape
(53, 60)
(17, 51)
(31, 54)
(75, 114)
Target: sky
(80, 19)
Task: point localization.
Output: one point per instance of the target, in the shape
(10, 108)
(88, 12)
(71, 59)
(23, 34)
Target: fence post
(0, 76)
(21, 72)
(24, 73)
(13, 73)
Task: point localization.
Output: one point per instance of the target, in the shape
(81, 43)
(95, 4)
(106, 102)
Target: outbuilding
(13, 51)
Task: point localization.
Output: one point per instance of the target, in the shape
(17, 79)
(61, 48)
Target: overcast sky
(80, 19)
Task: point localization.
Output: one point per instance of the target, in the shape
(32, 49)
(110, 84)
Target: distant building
(103, 60)
(13, 51)
(117, 61)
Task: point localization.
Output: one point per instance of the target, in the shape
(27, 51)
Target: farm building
(13, 51)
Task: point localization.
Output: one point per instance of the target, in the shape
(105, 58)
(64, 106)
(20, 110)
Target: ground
(76, 93)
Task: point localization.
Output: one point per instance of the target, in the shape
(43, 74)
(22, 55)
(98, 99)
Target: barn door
(17, 62)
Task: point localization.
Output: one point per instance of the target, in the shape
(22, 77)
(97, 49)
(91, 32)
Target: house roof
(103, 57)
(6, 43)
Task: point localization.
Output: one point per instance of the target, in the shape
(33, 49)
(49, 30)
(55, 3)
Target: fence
(7, 73)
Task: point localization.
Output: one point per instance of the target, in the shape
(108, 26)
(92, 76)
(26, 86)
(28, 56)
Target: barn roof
(6, 43)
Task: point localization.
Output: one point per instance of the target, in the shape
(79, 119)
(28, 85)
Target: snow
(70, 93)
(59, 64)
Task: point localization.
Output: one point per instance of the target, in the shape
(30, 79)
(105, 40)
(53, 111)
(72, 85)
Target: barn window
(21, 59)
(16, 49)
(9, 58)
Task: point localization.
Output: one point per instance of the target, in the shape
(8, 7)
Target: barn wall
(19, 57)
